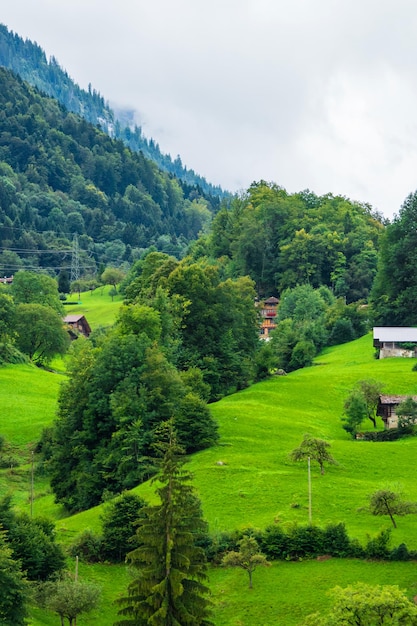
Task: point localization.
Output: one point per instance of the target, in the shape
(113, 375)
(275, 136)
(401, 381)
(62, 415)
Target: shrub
(220, 543)
(274, 543)
(87, 546)
(336, 541)
(303, 354)
(305, 542)
(377, 548)
(391, 434)
(10, 354)
(400, 553)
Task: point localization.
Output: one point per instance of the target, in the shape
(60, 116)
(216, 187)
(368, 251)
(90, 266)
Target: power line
(34, 251)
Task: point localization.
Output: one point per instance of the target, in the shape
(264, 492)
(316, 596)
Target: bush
(303, 354)
(391, 434)
(88, 547)
(10, 354)
(377, 548)
(305, 542)
(337, 543)
(400, 553)
(274, 543)
(220, 543)
(308, 541)
(33, 544)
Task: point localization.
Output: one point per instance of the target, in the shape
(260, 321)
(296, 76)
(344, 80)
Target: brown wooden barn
(77, 325)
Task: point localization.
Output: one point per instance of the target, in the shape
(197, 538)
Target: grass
(97, 306)
(257, 484)
(285, 593)
(28, 402)
(248, 480)
(282, 594)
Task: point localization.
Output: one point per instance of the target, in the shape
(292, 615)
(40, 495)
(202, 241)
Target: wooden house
(387, 407)
(268, 312)
(7, 280)
(395, 341)
(77, 325)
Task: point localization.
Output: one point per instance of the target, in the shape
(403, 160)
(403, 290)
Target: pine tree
(169, 589)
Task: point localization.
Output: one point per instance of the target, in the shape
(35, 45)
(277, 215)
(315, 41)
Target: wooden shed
(387, 407)
(77, 325)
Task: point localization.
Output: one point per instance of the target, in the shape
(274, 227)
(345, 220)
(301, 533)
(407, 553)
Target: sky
(308, 94)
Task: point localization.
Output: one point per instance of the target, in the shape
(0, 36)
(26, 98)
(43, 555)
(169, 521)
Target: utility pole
(309, 493)
(32, 475)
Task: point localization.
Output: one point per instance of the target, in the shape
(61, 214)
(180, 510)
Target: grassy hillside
(256, 484)
(97, 306)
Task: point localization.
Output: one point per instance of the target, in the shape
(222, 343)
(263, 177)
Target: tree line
(282, 240)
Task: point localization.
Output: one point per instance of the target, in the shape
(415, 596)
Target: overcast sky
(317, 94)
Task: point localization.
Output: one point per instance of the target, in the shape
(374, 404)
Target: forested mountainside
(60, 175)
(28, 60)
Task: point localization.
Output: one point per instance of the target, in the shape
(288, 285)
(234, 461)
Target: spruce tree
(169, 588)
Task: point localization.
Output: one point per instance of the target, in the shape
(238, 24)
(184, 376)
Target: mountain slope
(28, 60)
(60, 175)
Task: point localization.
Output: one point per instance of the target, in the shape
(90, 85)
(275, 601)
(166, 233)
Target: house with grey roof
(395, 341)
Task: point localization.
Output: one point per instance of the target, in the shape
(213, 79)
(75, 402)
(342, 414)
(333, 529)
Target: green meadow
(248, 480)
(97, 306)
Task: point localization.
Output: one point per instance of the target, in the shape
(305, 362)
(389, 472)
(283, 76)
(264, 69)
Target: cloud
(315, 95)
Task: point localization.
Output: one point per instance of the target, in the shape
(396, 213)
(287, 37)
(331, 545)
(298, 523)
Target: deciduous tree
(112, 276)
(315, 449)
(407, 413)
(119, 526)
(361, 403)
(354, 412)
(14, 588)
(32, 288)
(367, 605)
(69, 598)
(248, 557)
(40, 332)
(387, 502)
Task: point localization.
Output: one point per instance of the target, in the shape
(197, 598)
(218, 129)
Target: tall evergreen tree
(169, 589)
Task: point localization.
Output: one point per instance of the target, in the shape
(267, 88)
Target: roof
(395, 399)
(72, 319)
(272, 300)
(78, 321)
(395, 333)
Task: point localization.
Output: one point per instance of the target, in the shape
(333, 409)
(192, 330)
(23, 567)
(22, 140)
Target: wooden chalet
(268, 311)
(77, 325)
(387, 407)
